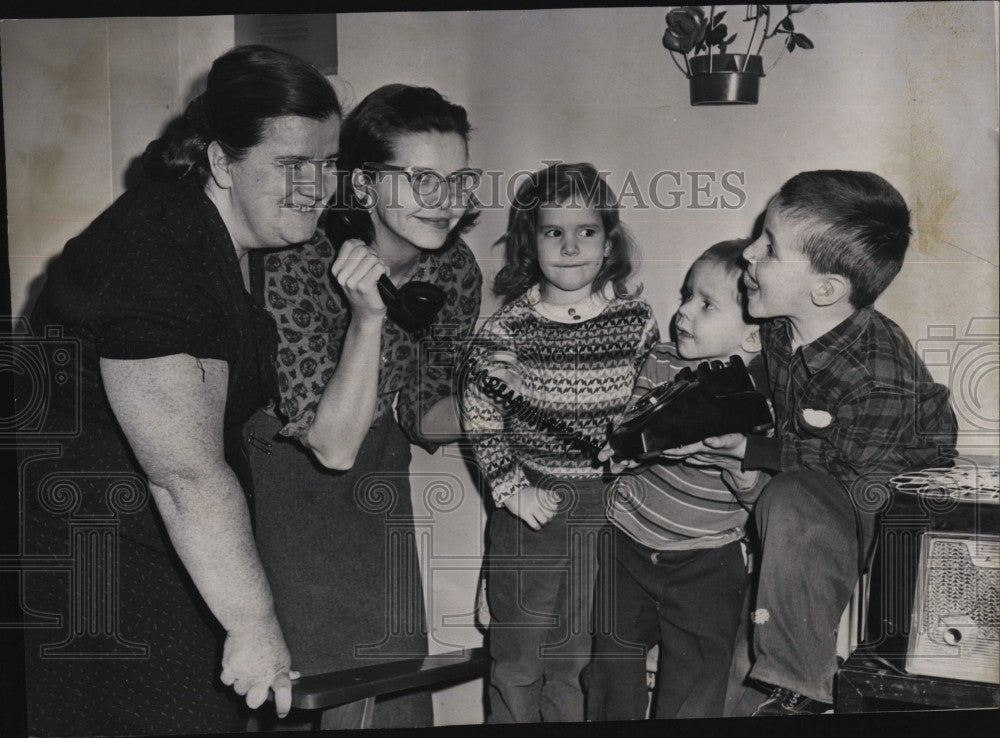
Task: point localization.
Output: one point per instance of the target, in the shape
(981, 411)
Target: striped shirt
(565, 378)
(676, 506)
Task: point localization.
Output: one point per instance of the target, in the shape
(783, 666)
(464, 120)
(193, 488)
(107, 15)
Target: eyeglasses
(429, 185)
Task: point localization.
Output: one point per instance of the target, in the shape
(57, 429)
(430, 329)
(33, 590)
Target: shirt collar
(578, 312)
(830, 345)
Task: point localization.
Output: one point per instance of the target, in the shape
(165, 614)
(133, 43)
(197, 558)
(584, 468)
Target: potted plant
(717, 76)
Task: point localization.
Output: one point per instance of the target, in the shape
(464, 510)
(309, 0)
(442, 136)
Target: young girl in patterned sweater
(547, 375)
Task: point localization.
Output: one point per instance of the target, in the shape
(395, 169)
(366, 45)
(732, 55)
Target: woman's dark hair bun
(247, 86)
(182, 146)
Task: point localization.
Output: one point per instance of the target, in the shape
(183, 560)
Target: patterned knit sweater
(558, 380)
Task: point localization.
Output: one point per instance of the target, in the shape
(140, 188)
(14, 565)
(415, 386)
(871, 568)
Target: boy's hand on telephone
(534, 506)
(617, 466)
(720, 452)
(711, 451)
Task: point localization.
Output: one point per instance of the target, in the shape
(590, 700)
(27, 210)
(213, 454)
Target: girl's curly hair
(577, 185)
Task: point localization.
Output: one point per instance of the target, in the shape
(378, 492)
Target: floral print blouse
(312, 315)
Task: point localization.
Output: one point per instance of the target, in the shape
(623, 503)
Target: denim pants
(810, 542)
(689, 602)
(540, 587)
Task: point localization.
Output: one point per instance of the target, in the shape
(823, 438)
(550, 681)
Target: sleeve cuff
(762, 453)
(749, 495)
(503, 491)
(298, 428)
(427, 443)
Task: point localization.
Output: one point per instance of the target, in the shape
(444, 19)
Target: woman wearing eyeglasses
(358, 385)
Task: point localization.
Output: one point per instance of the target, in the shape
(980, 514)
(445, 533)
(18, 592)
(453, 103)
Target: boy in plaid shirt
(853, 403)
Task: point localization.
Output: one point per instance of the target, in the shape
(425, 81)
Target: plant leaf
(803, 41)
(790, 44)
(786, 24)
(730, 39)
(718, 17)
(717, 35)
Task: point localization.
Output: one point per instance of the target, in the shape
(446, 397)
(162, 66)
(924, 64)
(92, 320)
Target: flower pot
(725, 79)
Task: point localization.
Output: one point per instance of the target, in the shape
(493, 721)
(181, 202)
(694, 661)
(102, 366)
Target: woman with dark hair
(359, 386)
(174, 355)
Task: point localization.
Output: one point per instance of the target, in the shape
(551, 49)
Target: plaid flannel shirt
(857, 403)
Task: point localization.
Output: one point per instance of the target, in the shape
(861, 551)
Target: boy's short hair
(729, 255)
(726, 253)
(862, 227)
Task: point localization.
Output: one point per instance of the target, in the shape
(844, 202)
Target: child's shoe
(783, 702)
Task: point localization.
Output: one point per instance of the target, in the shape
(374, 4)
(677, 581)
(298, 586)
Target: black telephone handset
(714, 399)
(412, 306)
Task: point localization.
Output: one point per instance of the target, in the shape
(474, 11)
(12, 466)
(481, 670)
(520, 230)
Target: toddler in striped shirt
(679, 572)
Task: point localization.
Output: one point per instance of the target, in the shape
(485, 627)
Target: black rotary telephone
(714, 399)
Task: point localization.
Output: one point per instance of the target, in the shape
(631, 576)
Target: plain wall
(81, 99)
(908, 90)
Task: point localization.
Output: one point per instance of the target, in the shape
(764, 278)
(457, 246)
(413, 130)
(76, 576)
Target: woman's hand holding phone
(357, 269)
